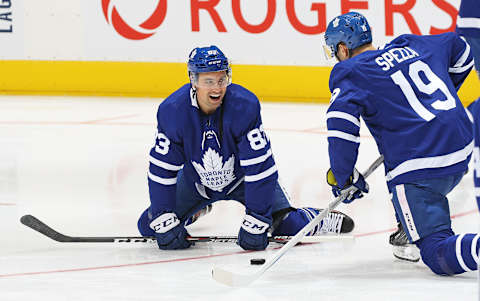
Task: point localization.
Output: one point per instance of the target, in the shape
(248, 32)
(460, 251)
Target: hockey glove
(169, 232)
(253, 234)
(356, 179)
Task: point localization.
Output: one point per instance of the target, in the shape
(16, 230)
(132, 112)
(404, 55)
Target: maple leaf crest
(214, 174)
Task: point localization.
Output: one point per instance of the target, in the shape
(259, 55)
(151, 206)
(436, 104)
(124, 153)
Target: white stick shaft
(232, 279)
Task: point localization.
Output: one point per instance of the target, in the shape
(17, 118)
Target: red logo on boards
(137, 32)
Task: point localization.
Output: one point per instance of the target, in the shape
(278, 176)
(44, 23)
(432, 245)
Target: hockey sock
(447, 254)
(295, 220)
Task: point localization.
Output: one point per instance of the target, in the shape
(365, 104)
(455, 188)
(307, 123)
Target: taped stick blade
(231, 279)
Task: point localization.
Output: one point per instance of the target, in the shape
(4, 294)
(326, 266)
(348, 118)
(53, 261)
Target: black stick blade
(37, 225)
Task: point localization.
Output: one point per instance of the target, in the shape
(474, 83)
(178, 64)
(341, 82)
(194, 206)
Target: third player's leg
(424, 212)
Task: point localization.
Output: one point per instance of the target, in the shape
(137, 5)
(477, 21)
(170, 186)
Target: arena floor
(79, 164)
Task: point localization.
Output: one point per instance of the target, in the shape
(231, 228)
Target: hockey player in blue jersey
(211, 145)
(468, 25)
(474, 109)
(406, 94)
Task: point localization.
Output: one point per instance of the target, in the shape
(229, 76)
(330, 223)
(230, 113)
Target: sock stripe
(312, 214)
(474, 248)
(309, 216)
(458, 251)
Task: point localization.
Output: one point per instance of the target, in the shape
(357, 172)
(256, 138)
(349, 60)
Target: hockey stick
(39, 226)
(237, 280)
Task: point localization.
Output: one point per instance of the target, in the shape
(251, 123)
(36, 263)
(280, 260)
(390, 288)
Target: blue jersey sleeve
(461, 59)
(343, 123)
(257, 161)
(166, 158)
(469, 18)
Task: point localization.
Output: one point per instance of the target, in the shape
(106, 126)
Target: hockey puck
(257, 261)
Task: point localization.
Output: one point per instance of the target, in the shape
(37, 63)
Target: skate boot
(198, 214)
(401, 247)
(335, 222)
(289, 221)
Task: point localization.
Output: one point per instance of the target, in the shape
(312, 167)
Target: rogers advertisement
(269, 32)
(11, 29)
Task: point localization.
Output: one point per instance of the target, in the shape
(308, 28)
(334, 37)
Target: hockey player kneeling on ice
(406, 93)
(468, 16)
(469, 12)
(211, 145)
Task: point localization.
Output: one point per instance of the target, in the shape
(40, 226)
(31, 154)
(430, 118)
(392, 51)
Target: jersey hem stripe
(431, 162)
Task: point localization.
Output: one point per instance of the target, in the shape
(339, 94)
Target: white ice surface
(79, 164)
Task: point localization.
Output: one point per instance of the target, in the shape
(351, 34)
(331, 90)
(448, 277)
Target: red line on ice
(185, 259)
(120, 265)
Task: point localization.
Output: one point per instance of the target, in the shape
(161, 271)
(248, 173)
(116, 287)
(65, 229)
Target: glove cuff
(256, 224)
(164, 222)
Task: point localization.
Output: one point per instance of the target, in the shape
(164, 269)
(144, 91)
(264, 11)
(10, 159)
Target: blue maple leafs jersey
(474, 109)
(406, 94)
(217, 152)
(468, 20)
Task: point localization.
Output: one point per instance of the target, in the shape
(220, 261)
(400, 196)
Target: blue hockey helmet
(351, 28)
(207, 59)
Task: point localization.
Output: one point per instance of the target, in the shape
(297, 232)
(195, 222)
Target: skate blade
(408, 253)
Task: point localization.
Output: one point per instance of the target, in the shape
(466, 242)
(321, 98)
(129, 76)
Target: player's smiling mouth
(215, 97)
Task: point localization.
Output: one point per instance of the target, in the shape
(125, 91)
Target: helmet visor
(210, 82)
(328, 51)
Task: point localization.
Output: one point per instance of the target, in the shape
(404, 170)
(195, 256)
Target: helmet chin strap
(192, 76)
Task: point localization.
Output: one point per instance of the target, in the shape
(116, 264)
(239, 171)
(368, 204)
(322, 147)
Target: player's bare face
(211, 88)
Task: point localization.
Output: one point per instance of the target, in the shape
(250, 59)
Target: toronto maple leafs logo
(335, 22)
(214, 174)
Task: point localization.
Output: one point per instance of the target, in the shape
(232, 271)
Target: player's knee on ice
(447, 254)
